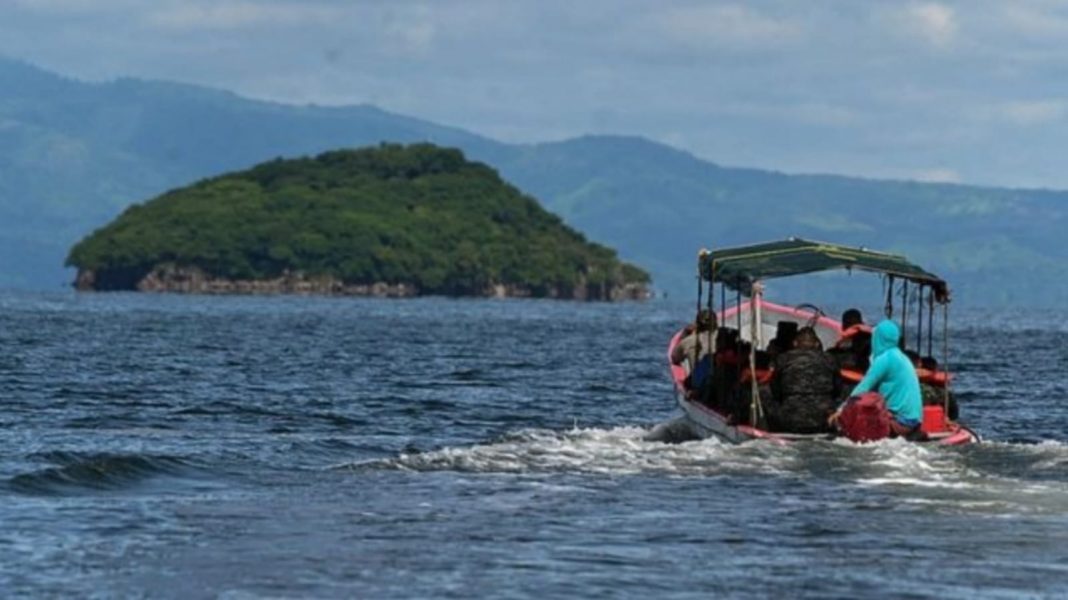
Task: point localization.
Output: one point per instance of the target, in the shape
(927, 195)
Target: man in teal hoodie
(891, 374)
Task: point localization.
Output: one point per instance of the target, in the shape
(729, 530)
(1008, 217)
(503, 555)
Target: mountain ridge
(71, 161)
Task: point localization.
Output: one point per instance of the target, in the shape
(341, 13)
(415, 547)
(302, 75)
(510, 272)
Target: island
(391, 220)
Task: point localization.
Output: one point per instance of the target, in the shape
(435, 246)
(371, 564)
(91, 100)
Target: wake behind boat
(730, 403)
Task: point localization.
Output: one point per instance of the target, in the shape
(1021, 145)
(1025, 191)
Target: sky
(973, 91)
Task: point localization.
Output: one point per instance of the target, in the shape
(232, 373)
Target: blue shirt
(892, 375)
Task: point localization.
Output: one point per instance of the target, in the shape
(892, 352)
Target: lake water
(169, 446)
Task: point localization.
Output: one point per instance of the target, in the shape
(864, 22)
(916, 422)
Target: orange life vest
(935, 378)
(852, 331)
(763, 376)
(851, 375)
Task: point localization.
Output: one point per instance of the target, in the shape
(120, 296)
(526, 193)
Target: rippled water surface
(295, 447)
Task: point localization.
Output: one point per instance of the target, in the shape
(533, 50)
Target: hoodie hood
(885, 336)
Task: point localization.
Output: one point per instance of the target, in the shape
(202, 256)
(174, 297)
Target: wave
(995, 479)
(74, 471)
(618, 451)
(901, 463)
(986, 478)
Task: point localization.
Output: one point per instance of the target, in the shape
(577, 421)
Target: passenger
(785, 332)
(852, 352)
(805, 387)
(774, 348)
(892, 375)
(697, 341)
(914, 358)
(861, 352)
(696, 348)
(726, 346)
(934, 395)
(851, 317)
(724, 370)
(762, 360)
(735, 398)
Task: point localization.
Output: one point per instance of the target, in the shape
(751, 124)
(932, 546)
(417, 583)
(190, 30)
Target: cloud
(238, 14)
(1033, 21)
(937, 175)
(726, 26)
(933, 22)
(74, 7)
(899, 89)
(410, 31)
(1035, 112)
(800, 112)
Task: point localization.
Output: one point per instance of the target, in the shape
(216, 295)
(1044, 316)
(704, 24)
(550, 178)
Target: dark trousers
(909, 433)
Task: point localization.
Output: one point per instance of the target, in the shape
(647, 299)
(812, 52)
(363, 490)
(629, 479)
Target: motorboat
(742, 270)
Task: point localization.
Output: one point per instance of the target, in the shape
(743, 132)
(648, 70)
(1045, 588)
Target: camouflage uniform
(805, 390)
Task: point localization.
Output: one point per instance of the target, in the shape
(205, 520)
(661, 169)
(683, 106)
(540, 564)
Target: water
(294, 447)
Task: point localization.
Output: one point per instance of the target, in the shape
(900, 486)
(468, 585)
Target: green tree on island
(418, 215)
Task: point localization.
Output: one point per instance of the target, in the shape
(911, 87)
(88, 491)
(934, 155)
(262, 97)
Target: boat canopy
(738, 268)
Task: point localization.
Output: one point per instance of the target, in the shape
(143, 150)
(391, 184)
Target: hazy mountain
(658, 206)
(73, 154)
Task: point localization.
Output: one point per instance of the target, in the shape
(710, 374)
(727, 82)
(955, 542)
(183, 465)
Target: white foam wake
(903, 463)
(999, 479)
(1002, 479)
(615, 451)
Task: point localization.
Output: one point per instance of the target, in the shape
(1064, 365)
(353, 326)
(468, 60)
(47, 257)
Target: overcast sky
(973, 91)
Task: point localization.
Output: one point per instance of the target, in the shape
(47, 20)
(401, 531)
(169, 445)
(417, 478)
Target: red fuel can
(934, 419)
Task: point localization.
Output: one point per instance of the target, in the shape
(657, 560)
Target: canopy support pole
(888, 310)
(711, 294)
(700, 282)
(712, 287)
(722, 299)
(919, 320)
(756, 411)
(945, 357)
(712, 313)
(930, 323)
(904, 314)
(738, 315)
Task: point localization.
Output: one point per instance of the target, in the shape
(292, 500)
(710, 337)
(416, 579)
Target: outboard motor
(865, 418)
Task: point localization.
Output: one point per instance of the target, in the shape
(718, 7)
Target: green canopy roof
(739, 267)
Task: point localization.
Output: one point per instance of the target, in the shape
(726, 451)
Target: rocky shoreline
(193, 280)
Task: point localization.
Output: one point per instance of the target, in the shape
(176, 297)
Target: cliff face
(171, 278)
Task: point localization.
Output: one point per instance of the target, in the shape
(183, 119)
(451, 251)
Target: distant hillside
(390, 220)
(659, 205)
(73, 155)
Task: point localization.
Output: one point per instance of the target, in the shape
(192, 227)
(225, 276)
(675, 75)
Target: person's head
(806, 339)
(852, 317)
(785, 332)
(706, 320)
(726, 338)
(885, 336)
(774, 347)
(929, 362)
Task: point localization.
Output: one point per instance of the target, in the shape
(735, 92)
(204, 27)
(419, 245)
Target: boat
(742, 271)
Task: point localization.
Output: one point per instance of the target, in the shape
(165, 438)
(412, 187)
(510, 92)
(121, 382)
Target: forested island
(392, 220)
